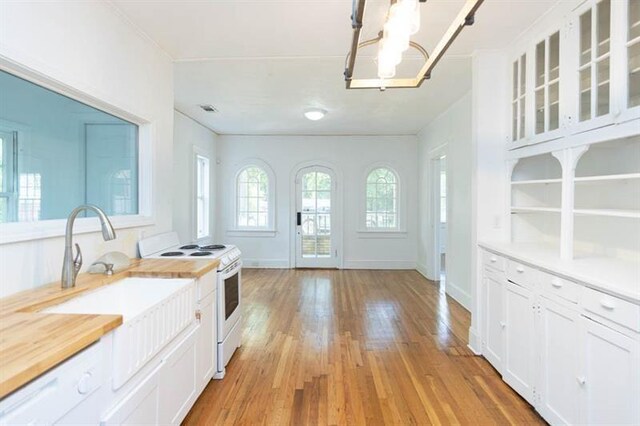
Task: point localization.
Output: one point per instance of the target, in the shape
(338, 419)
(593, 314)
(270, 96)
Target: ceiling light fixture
(403, 21)
(315, 114)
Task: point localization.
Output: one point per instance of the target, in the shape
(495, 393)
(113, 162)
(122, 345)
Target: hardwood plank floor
(355, 347)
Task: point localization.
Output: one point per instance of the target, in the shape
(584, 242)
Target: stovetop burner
(172, 254)
(190, 247)
(213, 247)
(201, 253)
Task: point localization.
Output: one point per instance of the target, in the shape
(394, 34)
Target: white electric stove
(229, 284)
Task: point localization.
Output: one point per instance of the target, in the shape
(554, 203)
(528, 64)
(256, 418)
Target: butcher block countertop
(31, 342)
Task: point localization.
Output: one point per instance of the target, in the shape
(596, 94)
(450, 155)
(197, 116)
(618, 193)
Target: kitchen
(222, 123)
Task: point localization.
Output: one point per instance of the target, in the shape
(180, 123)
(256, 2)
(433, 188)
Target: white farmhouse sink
(154, 311)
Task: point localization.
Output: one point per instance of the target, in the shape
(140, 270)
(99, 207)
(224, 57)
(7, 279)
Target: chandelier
(403, 21)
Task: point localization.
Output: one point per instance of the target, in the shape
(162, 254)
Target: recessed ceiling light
(315, 114)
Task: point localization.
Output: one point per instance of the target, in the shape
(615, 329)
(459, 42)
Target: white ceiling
(261, 63)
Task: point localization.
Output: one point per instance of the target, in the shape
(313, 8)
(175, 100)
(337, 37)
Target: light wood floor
(355, 347)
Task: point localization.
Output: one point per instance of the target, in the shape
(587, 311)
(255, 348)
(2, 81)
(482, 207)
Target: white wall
(351, 155)
(449, 134)
(89, 49)
(190, 137)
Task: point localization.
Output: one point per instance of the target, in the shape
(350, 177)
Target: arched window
(252, 204)
(382, 199)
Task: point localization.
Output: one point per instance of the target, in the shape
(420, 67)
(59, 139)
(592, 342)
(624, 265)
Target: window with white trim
(382, 199)
(252, 199)
(202, 197)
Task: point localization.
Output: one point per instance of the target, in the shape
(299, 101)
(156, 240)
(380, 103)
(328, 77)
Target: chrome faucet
(72, 265)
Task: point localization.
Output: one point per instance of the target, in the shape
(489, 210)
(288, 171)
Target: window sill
(382, 233)
(252, 233)
(28, 231)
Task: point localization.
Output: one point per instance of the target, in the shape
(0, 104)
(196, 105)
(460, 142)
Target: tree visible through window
(252, 198)
(382, 199)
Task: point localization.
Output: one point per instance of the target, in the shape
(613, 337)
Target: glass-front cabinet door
(593, 26)
(632, 54)
(547, 87)
(519, 99)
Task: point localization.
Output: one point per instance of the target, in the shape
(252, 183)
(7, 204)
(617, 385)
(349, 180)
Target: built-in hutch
(560, 297)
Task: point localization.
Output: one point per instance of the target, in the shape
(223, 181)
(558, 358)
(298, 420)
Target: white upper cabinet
(519, 99)
(547, 88)
(631, 73)
(593, 52)
(576, 72)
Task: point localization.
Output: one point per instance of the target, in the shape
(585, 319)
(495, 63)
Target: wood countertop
(32, 343)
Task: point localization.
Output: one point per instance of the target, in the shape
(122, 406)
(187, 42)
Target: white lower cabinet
(558, 396)
(572, 352)
(178, 382)
(206, 356)
(139, 406)
(518, 364)
(609, 376)
(494, 321)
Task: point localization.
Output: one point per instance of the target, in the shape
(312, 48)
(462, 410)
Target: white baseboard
(265, 263)
(379, 264)
(422, 269)
(460, 296)
(474, 342)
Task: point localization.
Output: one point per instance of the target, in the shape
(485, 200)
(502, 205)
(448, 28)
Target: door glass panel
(523, 75)
(540, 110)
(634, 19)
(633, 54)
(554, 56)
(634, 73)
(316, 215)
(585, 38)
(603, 87)
(604, 27)
(514, 118)
(515, 80)
(554, 104)
(585, 94)
(540, 63)
(522, 118)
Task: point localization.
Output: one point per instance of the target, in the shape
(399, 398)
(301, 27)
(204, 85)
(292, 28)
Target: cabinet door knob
(84, 384)
(608, 304)
(581, 380)
(520, 269)
(494, 259)
(503, 324)
(556, 283)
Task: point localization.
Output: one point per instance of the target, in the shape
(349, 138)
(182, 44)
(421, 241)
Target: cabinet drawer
(207, 284)
(492, 260)
(610, 307)
(560, 287)
(521, 274)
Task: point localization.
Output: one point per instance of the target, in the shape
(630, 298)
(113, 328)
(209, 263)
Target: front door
(315, 193)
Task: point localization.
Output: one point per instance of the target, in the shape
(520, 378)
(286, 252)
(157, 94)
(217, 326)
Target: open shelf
(515, 209)
(635, 214)
(536, 182)
(622, 176)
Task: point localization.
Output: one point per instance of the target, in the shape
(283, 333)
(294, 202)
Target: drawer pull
(581, 380)
(556, 283)
(520, 269)
(494, 259)
(608, 304)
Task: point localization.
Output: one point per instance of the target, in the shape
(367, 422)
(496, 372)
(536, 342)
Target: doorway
(440, 218)
(315, 218)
